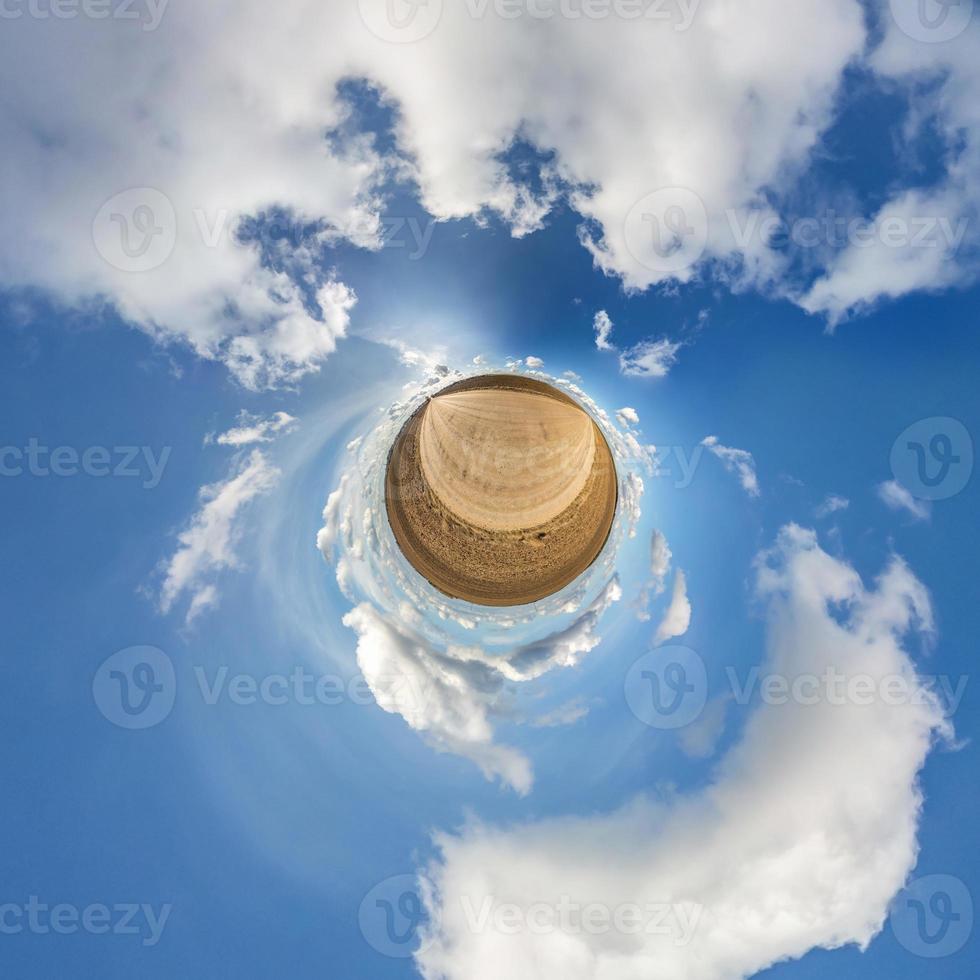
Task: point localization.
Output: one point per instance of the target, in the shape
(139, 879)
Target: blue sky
(251, 837)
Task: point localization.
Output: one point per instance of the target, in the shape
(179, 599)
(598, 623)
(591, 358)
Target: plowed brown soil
(500, 490)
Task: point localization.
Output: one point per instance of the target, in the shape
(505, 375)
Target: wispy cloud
(254, 428)
(603, 326)
(737, 461)
(677, 619)
(897, 497)
(831, 504)
(660, 558)
(209, 543)
(566, 714)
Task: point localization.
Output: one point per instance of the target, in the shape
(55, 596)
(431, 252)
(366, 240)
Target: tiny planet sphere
(500, 490)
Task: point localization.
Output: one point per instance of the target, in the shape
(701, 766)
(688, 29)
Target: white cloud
(77, 140)
(831, 504)
(627, 417)
(799, 841)
(737, 461)
(897, 497)
(254, 428)
(454, 696)
(335, 518)
(677, 619)
(660, 556)
(925, 239)
(208, 545)
(744, 112)
(753, 88)
(204, 598)
(603, 327)
(451, 691)
(448, 699)
(534, 362)
(566, 714)
(649, 358)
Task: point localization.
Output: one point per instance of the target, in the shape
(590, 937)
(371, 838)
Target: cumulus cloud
(677, 619)
(737, 461)
(649, 358)
(897, 497)
(745, 112)
(603, 327)
(450, 669)
(335, 517)
(534, 362)
(254, 428)
(627, 417)
(208, 544)
(454, 695)
(800, 841)
(563, 648)
(122, 194)
(446, 698)
(923, 238)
